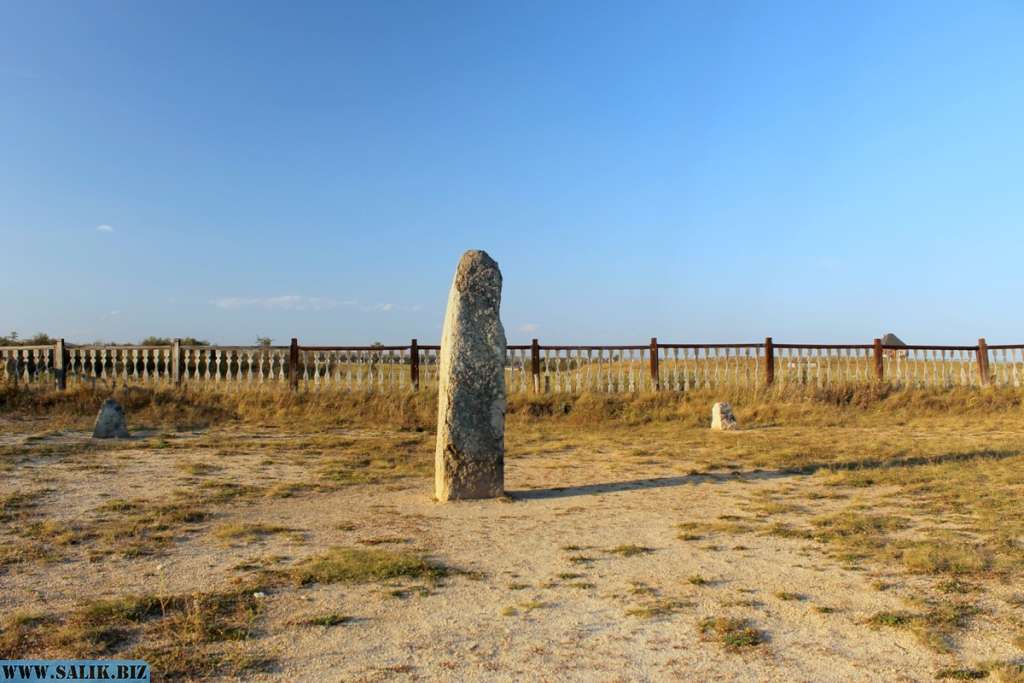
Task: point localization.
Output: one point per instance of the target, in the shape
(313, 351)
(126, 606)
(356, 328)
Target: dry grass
(308, 410)
(174, 633)
(656, 608)
(923, 485)
(630, 550)
(360, 565)
(732, 633)
(935, 627)
(245, 531)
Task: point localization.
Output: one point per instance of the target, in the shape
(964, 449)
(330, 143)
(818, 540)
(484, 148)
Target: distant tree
(375, 355)
(264, 341)
(165, 341)
(38, 339)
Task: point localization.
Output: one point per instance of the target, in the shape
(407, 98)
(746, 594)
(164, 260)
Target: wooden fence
(528, 368)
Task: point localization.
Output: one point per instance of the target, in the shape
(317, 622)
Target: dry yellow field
(848, 535)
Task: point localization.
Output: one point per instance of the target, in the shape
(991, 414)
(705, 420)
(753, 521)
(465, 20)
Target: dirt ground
(604, 563)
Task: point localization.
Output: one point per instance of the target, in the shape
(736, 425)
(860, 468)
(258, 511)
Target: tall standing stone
(110, 423)
(469, 460)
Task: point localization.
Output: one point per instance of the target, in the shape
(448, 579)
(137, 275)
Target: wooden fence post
(293, 365)
(414, 364)
(59, 367)
(655, 379)
(176, 362)
(983, 362)
(535, 365)
(769, 361)
(879, 365)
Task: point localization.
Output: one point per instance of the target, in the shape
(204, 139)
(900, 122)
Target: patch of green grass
(383, 540)
(630, 550)
(420, 591)
(933, 628)
(142, 527)
(363, 565)
(118, 505)
(54, 533)
(784, 530)
(215, 492)
(734, 634)
(128, 608)
(946, 557)
(198, 469)
(15, 505)
(656, 608)
(957, 585)
(891, 619)
(641, 588)
(952, 674)
(846, 525)
(1007, 672)
(237, 531)
(287, 489)
(776, 508)
(20, 632)
(788, 595)
(957, 614)
(183, 624)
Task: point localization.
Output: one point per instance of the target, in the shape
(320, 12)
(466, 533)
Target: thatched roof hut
(890, 339)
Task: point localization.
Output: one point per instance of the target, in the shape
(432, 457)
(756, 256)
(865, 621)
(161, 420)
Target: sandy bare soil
(597, 567)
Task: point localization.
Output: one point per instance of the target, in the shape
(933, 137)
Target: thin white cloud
(104, 228)
(295, 302)
(286, 302)
(529, 327)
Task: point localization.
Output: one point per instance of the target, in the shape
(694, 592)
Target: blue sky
(818, 172)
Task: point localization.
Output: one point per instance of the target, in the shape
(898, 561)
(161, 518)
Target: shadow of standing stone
(110, 423)
(469, 460)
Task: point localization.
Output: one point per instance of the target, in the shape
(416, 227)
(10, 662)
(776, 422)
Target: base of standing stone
(110, 423)
(722, 418)
(460, 479)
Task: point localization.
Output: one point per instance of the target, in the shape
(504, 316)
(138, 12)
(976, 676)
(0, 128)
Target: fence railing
(530, 368)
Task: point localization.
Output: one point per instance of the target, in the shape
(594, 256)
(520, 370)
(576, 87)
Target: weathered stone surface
(11, 366)
(110, 423)
(469, 460)
(722, 417)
